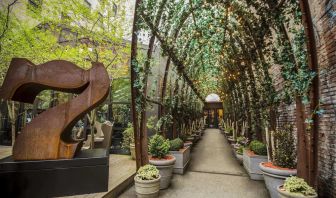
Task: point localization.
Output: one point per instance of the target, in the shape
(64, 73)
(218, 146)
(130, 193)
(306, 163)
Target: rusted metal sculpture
(48, 136)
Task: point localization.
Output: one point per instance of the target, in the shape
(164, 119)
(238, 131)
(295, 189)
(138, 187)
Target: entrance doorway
(213, 111)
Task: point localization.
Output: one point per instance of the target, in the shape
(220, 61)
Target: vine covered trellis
(230, 48)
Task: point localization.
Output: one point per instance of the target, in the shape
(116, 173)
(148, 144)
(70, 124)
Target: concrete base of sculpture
(86, 173)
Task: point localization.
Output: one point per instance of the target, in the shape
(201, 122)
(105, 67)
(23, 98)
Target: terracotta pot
(182, 159)
(165, 167)
(285, 194)
(132, 149)
(147, 188)
(274, 177)
(251, 163)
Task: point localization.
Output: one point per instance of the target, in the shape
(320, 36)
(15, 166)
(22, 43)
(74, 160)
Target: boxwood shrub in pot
(159, 150)
(239, 153)
(253, 155)
(295, 187)
(283, 163)
(147, 181)
(181, 153)
(128, 140)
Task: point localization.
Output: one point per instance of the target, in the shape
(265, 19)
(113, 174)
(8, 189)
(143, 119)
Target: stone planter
(188, 143)
(132, 149)
(285, 194)
(274, 177)
(251, 163)
(191, 139)
(165, 167)
(239, 158)
(182, 159)
(231, 140)
(196, 137)
(147, 188)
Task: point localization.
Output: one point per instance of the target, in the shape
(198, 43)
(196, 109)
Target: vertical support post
(140, 140)
(314, 93)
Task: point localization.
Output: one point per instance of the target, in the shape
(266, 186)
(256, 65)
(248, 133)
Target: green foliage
(128, 136)
(258, 147)
(148, 172)
(176, 144)
(158, 146)
(65, 30)
(284, 154)
(183, 137)
(229, 130)
(298, 186)
(240, 150)
(151, 123)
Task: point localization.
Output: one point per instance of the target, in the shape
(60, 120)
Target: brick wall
(324, 18)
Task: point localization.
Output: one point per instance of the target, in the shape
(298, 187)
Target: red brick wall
(324, 18)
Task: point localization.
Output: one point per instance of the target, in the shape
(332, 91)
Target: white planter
(182, 159)
(165, 167)
(188, 143)
(132, 149)
(239, 158)
(147, 188)
(251, 164)
(275, 177)
(285, 194)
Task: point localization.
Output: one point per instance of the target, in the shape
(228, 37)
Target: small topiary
(240, 150)
(183, 137)
(258, 147)
(148, 172)
(176, 144)
(298, 185)
(284, 154)
(158, 146)
(128, 136)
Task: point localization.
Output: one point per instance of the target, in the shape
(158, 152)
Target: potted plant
(159, 150)
(184, 138)
(181, 153)
(128, 140)
(252, 157)
(283, 163)
(239, 154)
(147, 181)
(295, 187)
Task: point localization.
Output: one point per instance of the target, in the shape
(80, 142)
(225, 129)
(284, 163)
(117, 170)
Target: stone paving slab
(213, 173)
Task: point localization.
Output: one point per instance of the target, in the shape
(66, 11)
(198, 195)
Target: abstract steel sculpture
(48, 136)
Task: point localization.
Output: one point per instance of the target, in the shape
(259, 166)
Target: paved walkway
(213, 173)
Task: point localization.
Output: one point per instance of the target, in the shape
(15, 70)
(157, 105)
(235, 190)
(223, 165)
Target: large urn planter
(182, 159)
(147, 188)
(275, 176)
(132, 150)
(251, 163)
(165, 166)
(285, 194)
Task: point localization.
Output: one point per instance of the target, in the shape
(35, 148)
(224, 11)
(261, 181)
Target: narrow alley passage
(213, 173)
